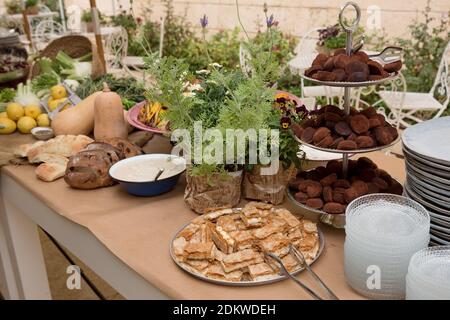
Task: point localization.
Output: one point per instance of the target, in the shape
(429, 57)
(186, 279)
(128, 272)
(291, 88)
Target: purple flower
(285, 122)
(271, 21)
(204, 21)
(301, 109)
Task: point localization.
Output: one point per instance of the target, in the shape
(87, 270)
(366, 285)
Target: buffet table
(125, 239)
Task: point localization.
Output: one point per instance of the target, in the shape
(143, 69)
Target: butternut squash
(109, 119)
(76, 120)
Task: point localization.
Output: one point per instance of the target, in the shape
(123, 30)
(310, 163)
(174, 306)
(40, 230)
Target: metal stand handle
(349, 30)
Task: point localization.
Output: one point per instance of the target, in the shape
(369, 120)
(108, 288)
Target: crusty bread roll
(49, 172)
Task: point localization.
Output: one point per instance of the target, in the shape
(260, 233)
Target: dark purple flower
(204, 21)
(285, 122)
(301, 109)
(270, 21)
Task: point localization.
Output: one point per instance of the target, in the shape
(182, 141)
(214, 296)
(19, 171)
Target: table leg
(23, 253)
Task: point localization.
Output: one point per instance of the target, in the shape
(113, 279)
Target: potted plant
(13, 6)
(330, 38)
(287, 110)
(31, 7)
(86, 18)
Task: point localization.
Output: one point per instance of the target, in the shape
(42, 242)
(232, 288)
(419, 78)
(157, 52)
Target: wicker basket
(75, 47)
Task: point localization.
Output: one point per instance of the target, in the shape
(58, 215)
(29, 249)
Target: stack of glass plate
(383, 231)
(428, 275)
(427, 157)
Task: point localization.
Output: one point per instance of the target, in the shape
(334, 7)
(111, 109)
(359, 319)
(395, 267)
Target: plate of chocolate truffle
(329, 129)
(355, 70)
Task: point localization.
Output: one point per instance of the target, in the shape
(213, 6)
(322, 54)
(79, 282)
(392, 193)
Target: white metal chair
(74, 13)
(305, 54)
(46, 31)
(417, 106)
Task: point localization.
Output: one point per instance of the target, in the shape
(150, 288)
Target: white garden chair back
(74, 13)
(46, 31)
(407, 108)
(116, 47)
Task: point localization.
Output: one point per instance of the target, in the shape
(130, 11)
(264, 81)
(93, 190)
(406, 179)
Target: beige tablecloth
(139, 231)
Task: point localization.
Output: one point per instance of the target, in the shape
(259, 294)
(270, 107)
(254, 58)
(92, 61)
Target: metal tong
(388, 55)
(299, 257)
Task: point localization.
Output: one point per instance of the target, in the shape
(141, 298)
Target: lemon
(3, 114)
(7, 126)
(25, 124)
(14, 111)
(32, 111)
(55, 103)
(58, 92)
(43, 120)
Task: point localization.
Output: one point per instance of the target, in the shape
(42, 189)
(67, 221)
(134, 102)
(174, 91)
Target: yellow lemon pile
(58, 95)
(22, 118)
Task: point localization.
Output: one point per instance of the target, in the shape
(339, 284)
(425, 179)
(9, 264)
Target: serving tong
(301, 259)
(388, 55)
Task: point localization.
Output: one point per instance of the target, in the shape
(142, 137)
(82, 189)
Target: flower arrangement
(224, 100)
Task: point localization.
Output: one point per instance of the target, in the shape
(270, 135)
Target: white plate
(427, 175)
(439, 220)
(428, 182)
(427, 192)
(424, 202)
(429, 187)
(410, 155)
(440, 235)
(312, 154)
(427, 139)
(440, 229)
(438, 240)
(426, 168)
(442, 203)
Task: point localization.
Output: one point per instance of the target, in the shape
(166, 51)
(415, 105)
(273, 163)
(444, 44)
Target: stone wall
(294, 16)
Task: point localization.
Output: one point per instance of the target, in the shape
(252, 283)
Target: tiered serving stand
(338, 220)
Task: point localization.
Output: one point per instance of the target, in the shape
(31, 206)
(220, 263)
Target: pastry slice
(199, 265)
(221, 238)
(290, 263)
(178, 246)
(241, 265)
(212, 216)
(227, 223)
(273, 243)
(309, 241)
(259, 205)
(267, 230)
(240, 260)
(295, 234)
(215, 271)
(291, 220)
(252, 221)
(243, 239)
(260, 271)
(309, 226)
(199, 251)
(189, 231)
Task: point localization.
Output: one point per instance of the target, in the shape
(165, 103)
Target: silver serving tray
(335, 220)
(349, 151)
(280, 277)
(351, 84)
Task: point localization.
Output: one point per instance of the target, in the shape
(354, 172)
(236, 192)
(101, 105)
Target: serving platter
(348, 152)
(132, 118)
(343, 84)
(191, 271)
(335, 220)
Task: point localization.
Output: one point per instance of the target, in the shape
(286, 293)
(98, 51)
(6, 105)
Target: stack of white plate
(383, 231)
(428, 275)
(427, 156)
(8, 39)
